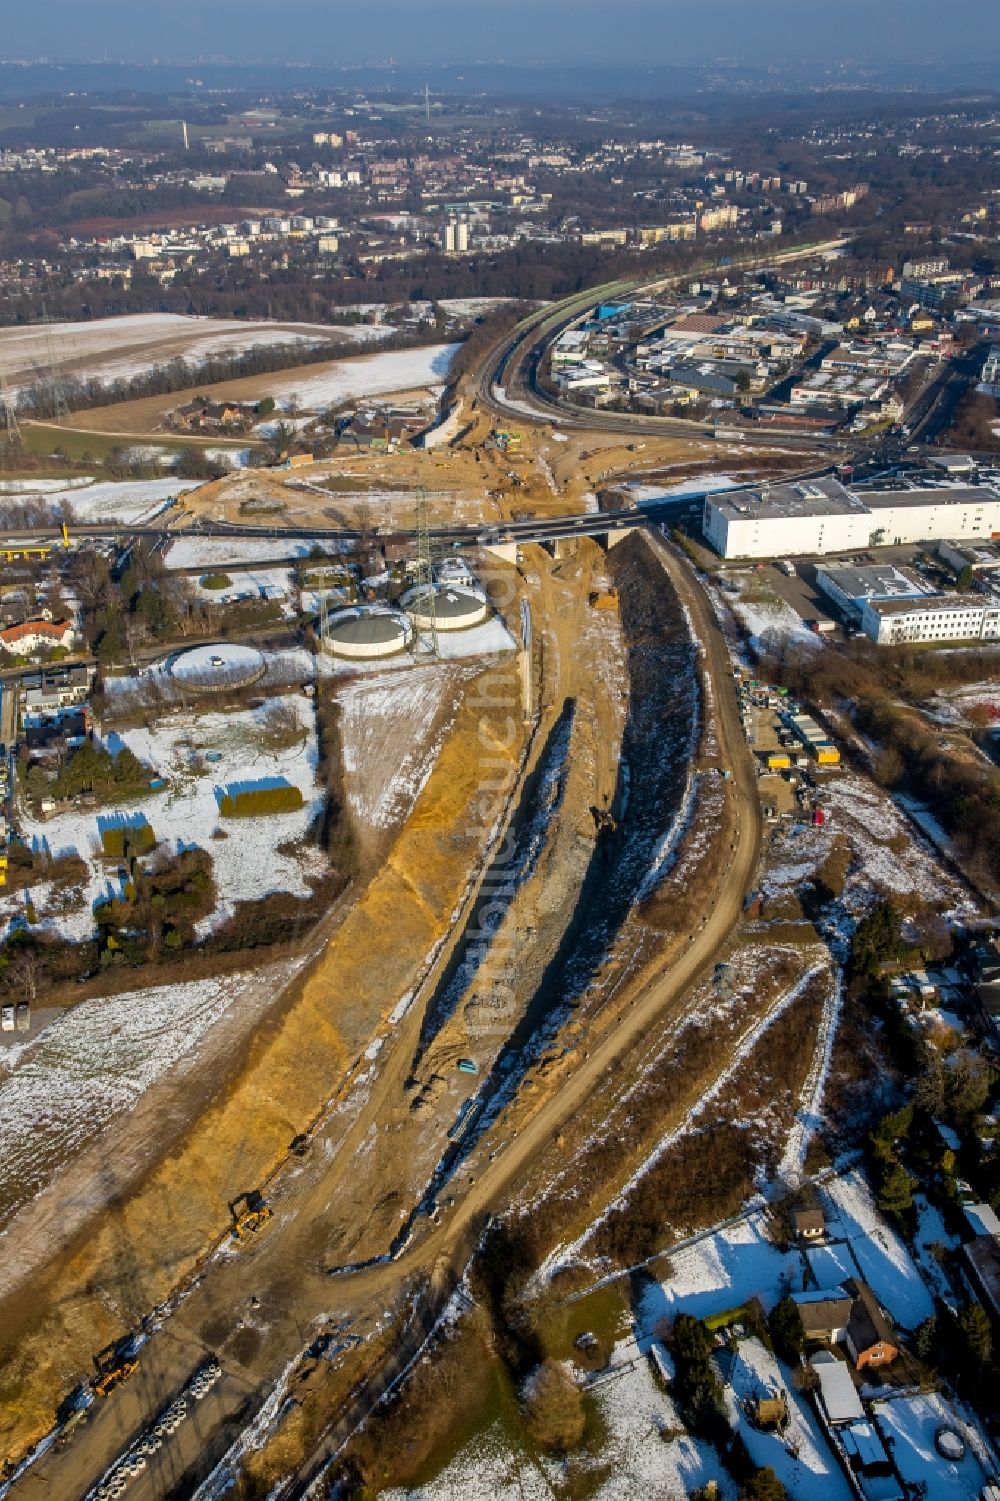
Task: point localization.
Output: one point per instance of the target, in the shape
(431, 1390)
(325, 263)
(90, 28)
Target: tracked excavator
(249, 1212)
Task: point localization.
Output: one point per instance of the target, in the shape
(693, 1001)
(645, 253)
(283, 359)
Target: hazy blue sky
(448, 31)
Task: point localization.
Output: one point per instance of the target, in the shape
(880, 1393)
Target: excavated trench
(512, 866)
(659, 736)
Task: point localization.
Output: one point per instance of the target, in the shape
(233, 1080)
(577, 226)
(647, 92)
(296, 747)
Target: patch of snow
(721, 1270)
(700, 484)
(393, 712)
(135, 501)
(886, 1264)
(830, 1265)
(931, 1233)
(642, 1462)
(216, 552)
(766, 622)
(396, 370)
(910, 1423)
(500, 394)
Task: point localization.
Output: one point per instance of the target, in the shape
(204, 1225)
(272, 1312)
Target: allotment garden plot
(200, 764)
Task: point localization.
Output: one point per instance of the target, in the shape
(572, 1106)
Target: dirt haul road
(260, 1307)
(500, 1177)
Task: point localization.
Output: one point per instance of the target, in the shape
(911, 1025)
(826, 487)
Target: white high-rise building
(455, 236)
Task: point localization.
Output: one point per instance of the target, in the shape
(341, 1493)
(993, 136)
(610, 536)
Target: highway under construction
(308, 1250)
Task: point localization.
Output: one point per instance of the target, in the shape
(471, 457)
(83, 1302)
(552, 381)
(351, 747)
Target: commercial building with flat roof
(942, 617)
(851, 588)
(822, 516)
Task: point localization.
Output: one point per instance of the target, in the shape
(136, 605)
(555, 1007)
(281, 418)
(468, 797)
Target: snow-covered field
(247, 863)
(386, 723)
(693, 486)
(61, 1090)
(931, 1234)
(636, 1458)
(720, 1271)
(258, 583)
(479, 641)
(216, 552)
(910, 1423)
(487, 1469)
(135, 501)
(772, 621)
(886, 1264)
(886, 855)
(471, 307)
(642, 1462)
(397, 370)
(110, 348)
(976, 702)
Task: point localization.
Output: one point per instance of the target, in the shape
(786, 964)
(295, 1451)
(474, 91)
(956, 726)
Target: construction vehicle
(249, 1212)
(114, 1365)
(604, 821)
(604, 599)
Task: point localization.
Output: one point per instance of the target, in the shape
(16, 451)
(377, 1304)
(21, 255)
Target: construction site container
(827, 754)
(778, 761)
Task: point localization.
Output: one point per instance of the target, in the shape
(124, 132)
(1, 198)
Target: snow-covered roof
(838, 1393)
(982, 1219)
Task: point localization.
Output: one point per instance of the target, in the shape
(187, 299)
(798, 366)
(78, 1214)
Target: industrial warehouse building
(823, 516)
(851, 588)
(944, 617)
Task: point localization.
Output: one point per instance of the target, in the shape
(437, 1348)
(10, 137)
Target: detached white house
(32, 635)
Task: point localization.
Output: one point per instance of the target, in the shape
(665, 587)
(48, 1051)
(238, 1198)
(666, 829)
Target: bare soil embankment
(132, 1259)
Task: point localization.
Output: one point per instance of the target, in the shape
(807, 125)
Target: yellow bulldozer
(114, 1364)
(249, 1212)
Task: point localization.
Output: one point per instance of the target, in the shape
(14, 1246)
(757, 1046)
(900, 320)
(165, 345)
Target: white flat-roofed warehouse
(822, 516)
(945, 617)
(850, 588)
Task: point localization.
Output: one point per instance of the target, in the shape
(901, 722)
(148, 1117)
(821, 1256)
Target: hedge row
(139, 837)
(253, 801)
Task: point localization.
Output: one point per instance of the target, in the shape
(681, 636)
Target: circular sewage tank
(454, 608)
(365, 633)
(210, 669)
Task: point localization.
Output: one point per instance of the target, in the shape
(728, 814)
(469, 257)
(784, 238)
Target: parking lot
(800, 590)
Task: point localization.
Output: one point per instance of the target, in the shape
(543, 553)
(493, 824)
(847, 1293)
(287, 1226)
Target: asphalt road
(511, 369)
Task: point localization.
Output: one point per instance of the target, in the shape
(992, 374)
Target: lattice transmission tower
(425, 639)
(12, 431)
(57, 395)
